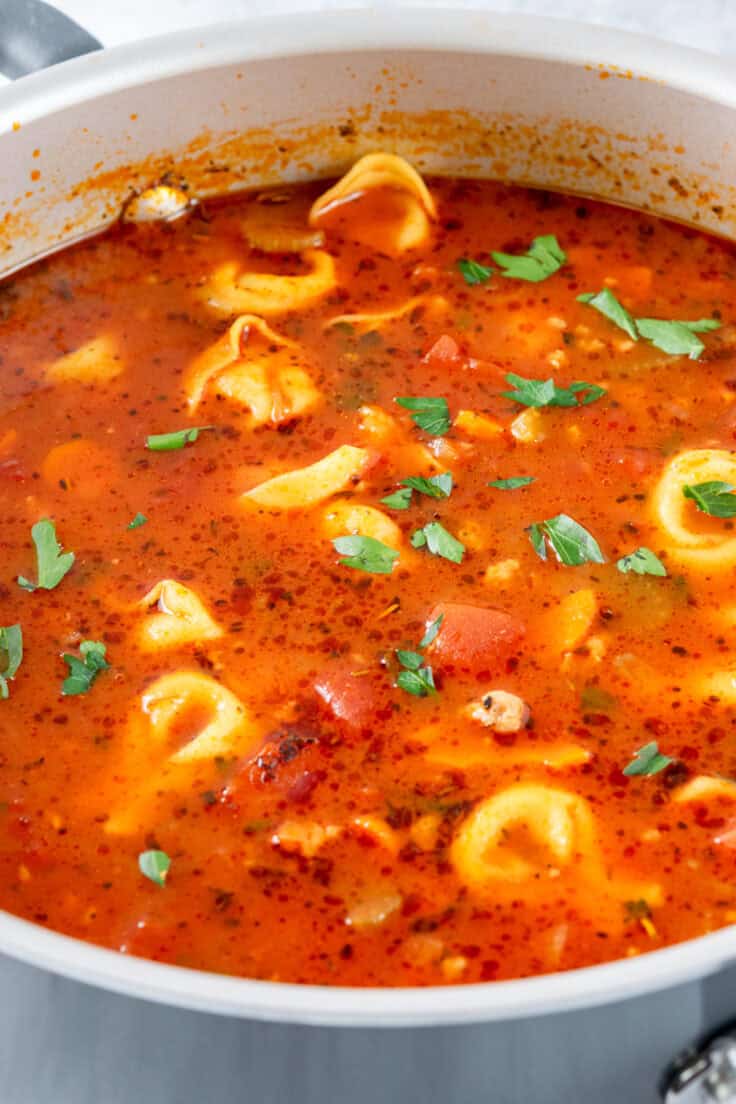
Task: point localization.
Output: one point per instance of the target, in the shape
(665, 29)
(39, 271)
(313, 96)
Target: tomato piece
(351, 694)
(474, 638)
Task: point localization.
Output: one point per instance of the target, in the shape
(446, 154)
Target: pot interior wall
(553, 124)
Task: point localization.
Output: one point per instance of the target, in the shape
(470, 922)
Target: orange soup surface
(369, 584)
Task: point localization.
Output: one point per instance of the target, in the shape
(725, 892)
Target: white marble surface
(63, 1043)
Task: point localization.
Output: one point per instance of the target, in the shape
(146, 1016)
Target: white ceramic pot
(538, 101)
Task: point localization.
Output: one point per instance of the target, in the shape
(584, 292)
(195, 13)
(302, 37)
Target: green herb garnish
(544, 258)
(11, 645)
(533, 392)
(154, 865)
(642, 562)
(84, 671)
(436, 486)
(399, 500)
(167, 442)
(676, 338)
(52, 563)
(473, 272)
(512, 483)
(138, 520)
(430, 414)
(431, 632)
(417, 677)
(435, 538)
(714, 498)
(572, 544)
(606, 303)
(366, 554)
(647, 760)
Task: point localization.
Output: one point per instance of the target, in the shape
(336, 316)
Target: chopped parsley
(472, 272)
(678, 338)
(533, 392)
(543, 259)
(572, 544)
(430, 414)
(154, 865)
(435, 486)
(84, 671)
(714, 498)
(167, 442)
(647, 760)
(512, 483)
(138, 520)
(11, 646)
(642, 562)
(435, 538)
(417, 677)
(52, 563)
(606, 303)
(366, 554)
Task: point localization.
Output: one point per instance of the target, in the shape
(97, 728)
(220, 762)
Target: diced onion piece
(528, 427)
(308, 486)
(305, 836)
(372, 911)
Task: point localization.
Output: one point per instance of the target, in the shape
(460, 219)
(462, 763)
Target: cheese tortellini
(181, 617)
(703, 548)
(232, 291)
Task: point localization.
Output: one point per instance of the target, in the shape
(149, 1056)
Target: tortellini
(233, 291)
(153, 763)
(304, 487)
(561, 831)
(350, 517)
(181, 618)
(97, 361)
(376, 171)
(706, 548)
(258, 368)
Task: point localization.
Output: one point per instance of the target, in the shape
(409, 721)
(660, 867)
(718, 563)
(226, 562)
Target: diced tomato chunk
(474, 638)
(444, 351)
(351, 694)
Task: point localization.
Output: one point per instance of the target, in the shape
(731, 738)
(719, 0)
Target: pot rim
(692, 71)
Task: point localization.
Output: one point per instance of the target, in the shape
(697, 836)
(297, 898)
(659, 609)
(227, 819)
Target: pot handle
(705, 1073)
(34, 34)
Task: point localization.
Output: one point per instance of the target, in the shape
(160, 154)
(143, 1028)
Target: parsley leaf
(366, 554)
(714, 498)
(606, 303)
(138, 520)
(84, 671)
(154, 865)
(419, 682)
(438, 541)
(399, 500)
(11, 644)
(647, 760)
(432, 414)
(533, 392)
(167, 442)
(543, 259)
(53, 564)
(436, 486)
(676, 338)
(473, 272)
(512, 483)
(572, 544)
(431, 632)
(642, 562)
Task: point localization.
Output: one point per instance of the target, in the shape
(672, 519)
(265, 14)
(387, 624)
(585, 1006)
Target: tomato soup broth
(368, 584)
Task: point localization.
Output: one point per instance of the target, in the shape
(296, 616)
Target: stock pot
(530, 100)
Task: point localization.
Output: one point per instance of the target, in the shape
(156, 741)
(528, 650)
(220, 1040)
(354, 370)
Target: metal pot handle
(34, 34)
(704, 1073)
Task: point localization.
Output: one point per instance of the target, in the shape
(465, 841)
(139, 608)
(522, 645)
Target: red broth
(360, 809)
